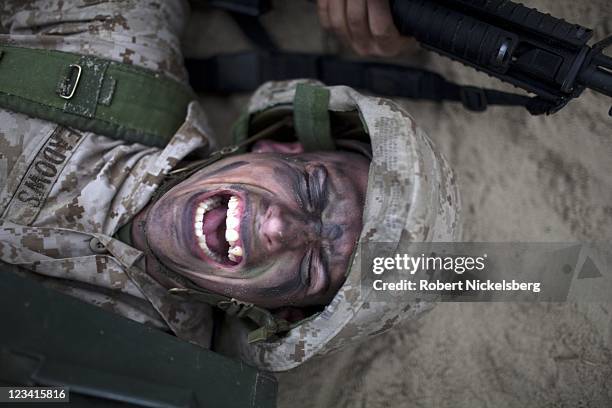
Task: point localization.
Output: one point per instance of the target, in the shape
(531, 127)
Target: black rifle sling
(244, 72)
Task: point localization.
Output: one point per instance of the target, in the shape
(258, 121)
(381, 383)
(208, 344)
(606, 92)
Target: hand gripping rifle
(541, 54)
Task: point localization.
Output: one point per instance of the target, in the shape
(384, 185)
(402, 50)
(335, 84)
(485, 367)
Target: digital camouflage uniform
(64, 193)
(102, 183)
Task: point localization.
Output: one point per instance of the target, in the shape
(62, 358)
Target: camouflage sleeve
(140, 32)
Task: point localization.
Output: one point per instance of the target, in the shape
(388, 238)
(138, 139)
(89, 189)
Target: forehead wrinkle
(291, 176)
(281, 174)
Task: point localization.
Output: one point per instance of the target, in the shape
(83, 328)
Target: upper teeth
(198, 225)
(232, 223)
(231, 236)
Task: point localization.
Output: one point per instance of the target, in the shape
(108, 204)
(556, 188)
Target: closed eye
(314, 274)
(305, 266)
(309, 187)
(316, 183)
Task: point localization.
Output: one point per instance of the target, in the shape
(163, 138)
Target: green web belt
(92, 94)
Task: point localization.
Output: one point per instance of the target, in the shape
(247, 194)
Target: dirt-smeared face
(275, 229)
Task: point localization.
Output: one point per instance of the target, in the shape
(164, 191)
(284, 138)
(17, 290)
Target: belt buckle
(69, 85)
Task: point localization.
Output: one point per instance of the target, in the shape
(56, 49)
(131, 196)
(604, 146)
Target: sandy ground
(522, 178)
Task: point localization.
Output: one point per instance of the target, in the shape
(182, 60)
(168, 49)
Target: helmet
(411, 196)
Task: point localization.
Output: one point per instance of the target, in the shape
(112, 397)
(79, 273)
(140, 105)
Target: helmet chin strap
(269, 325)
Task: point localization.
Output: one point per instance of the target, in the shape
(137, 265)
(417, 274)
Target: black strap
(254, 8)
(252, 28)
(244, 72)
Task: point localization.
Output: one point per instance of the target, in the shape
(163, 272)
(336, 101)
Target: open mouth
(217, 228)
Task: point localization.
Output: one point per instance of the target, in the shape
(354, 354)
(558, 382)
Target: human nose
(282, 229)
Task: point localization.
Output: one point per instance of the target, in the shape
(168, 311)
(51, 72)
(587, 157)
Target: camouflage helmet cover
(411, 197)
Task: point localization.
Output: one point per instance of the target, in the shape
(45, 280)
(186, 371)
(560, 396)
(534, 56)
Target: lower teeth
(208, 251)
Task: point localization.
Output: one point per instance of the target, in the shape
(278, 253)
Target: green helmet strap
(311, 117)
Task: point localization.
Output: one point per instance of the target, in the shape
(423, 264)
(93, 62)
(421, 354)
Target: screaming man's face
(275, 229)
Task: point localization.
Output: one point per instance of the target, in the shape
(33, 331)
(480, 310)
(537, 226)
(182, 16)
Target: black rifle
(544, 55)
(520, 45)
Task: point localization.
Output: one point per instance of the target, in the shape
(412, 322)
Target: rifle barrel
(598, 74)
